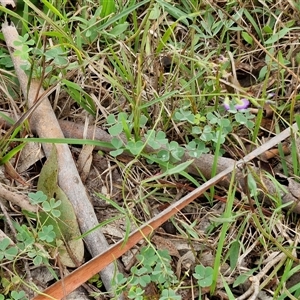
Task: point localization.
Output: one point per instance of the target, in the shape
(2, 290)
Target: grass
(156, 73)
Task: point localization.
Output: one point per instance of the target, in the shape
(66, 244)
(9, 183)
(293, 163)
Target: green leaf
(176, 152)
(243, 277)
(47, 234)
(199, 119)
(196, 130)
(117, 152)
(252, 184)
(119, 279)
(174, 12)
(4, 244)
(147, 256)
(38, 260)
(163, 155)
(66, 227)
(108, 7)
(185, 115)
(46, 206)
(190, 230)
(155, 12)
(277, 36)
(24, 235)
(18, 295)
(196, 148)
(267, 29)
(240, 118)
(11, 153)
(156, 139)
(135, 147)
(11, 253)
(6, 118)
(143, 121)
(204, 275)
(206, 136)
(47, 182)
(234, 253)
(122, 116)
(116, 142)
(262, 73)
(179, 168)
(247, 37)
(116, 129)
(212, 118)
(119, 29)
(80, 96)
(49, 207)
(135, 293)
(57, 54)
(37, 198)
(224, 122)
(141, 280)
(110, 120)
(169, 294)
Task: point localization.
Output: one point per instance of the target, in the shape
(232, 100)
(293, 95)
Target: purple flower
(269, 97)
(239, 104)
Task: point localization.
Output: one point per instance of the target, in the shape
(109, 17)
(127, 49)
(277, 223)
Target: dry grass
(159, 66)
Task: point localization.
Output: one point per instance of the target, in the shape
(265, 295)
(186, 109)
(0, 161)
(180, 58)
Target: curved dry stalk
(44, 122)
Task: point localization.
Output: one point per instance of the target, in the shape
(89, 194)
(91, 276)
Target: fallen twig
(17, 199)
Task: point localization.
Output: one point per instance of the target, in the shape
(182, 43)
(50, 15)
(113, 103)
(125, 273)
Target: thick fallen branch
(44, 122)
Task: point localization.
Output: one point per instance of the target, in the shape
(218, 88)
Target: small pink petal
(239, 106)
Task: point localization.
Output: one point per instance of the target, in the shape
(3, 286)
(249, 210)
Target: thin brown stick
(16, 199)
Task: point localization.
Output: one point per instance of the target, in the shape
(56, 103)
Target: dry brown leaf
(165, 244)
(30, 154)
(185, 262)
(13, 174)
